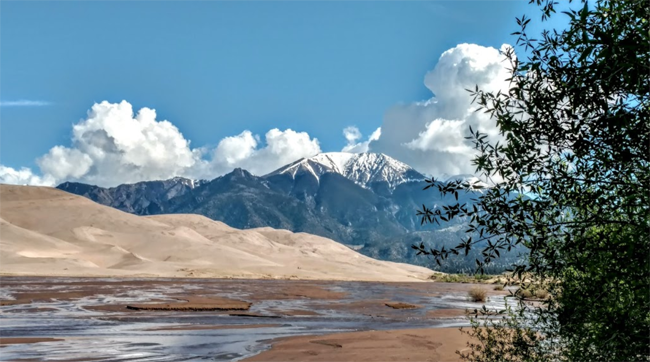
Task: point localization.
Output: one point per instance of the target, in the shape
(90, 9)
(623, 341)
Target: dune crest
(48, 232)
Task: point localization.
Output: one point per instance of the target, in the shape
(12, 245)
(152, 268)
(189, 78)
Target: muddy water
(89, 315)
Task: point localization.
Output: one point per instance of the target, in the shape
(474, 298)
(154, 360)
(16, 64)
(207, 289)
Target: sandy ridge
(48, 232)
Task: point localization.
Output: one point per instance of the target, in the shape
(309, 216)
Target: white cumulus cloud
(429, 135)
(352, 135)
(24, 176)
(281, 147)
(114, 145)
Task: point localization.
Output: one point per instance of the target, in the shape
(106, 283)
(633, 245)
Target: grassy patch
(462, 278)
(541, 293)
(477, 294)
(498, 287)
(524, 293)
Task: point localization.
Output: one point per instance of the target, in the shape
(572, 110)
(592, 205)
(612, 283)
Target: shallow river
(70, 309)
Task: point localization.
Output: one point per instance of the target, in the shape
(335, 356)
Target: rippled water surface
(123, 335)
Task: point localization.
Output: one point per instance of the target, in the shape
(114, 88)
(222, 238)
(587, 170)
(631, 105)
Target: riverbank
(431, 344)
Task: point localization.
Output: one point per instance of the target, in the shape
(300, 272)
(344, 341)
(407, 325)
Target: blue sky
(215, 69)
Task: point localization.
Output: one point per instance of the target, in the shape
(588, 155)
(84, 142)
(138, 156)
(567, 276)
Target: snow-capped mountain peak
(362, 168)
(377, 167)
(306, 165)
(334, 160)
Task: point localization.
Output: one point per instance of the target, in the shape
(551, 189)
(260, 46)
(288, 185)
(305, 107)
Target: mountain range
(367, 201)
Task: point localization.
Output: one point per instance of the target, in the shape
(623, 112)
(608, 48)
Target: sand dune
(45, 231)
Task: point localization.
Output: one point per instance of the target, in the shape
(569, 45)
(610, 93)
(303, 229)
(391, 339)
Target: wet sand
(202, 327)
(7, 341)
(195, 304)
(434, 344)
(400, 305)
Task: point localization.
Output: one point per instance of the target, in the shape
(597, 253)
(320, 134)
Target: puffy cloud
(352, 134)
(429, 135)
(62, 162)
(232, 150)
(24, 176)
(114, 146)
(281, 147)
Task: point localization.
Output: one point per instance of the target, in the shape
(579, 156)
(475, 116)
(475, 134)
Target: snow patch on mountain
(377, 167)
(188, 182)
(337, 161)
(303, 166)
(362, 168)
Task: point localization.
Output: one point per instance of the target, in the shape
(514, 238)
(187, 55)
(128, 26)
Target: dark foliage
(572, 182)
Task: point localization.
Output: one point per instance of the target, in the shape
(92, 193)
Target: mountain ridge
(312, 195)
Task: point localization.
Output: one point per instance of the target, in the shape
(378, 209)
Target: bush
(504, 339)
(524, 293)
(461, 278)
(477, 294)
(481, 278)
(541, 293)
